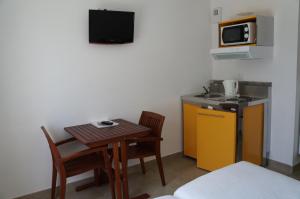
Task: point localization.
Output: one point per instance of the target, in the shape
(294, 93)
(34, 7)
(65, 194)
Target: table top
(92, 136)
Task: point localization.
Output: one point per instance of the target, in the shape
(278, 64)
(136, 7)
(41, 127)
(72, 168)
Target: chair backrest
(154, 121)
(56, 157)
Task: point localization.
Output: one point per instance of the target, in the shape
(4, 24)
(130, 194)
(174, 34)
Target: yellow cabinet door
(190, 130)
(253, 132)
(216, 139)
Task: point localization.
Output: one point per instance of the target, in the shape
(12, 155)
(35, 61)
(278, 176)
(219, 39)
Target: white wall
(281, 70)
(297, 113)
(50, 75)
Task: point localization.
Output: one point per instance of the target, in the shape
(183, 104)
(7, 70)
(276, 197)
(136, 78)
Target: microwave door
(233, 35)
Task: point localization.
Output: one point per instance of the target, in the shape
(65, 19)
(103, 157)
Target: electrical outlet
(216, 15)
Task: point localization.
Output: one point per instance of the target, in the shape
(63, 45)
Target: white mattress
(241, 181)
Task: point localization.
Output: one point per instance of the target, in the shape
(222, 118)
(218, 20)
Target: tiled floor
(178, 171)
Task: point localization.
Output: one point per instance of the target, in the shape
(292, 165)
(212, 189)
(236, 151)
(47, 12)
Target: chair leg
(160, 168)
(62, 187)
(111, 183)
(143, 165)
(54, 177)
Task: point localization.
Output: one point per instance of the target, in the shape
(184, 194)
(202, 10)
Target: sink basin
(208, 95)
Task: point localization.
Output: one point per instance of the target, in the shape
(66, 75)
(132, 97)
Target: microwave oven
(238, 34)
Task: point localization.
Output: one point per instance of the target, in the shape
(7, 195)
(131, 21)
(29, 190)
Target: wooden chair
(150, 145)
(96, 159)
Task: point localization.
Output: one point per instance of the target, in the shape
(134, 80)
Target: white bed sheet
(241, 181)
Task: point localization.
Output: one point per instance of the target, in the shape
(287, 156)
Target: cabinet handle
(211, 115)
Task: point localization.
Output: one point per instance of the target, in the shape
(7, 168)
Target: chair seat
(139, 151)
(83, 164)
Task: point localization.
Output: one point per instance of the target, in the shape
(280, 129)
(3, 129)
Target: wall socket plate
(216, 15)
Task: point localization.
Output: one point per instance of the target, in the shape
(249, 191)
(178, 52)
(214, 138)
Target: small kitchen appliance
(238, 34)
(231, 87)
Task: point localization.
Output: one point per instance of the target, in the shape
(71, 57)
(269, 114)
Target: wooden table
(92, 137)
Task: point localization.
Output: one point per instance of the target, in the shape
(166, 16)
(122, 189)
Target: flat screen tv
(111, 27)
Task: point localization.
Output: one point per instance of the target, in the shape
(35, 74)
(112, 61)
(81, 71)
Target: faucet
(206, 90)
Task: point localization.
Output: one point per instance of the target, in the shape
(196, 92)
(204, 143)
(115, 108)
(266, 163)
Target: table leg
(96, 182)
(100, 178)
(86, 186)
(117, 170)
(97, 176)
(125, 176)
(124, 169)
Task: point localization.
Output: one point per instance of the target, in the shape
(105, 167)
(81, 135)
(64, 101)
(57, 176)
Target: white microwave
(238, 34)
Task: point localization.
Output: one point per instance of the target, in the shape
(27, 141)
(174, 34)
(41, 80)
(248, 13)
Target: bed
(240, 180)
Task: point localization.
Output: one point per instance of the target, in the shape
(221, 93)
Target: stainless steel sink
(208, 95)
(221, 98)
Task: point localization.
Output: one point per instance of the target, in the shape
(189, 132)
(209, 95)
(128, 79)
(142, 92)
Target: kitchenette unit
(221, 128)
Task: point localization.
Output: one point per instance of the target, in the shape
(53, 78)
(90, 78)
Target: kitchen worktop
(192, 98)
(258, 92)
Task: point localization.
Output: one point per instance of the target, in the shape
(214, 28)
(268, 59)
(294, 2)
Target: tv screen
(111, 26)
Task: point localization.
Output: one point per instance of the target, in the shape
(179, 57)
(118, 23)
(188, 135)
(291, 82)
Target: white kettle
(231, 87)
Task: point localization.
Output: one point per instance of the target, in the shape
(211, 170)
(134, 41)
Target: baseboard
(296, 167)
(283, 168)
